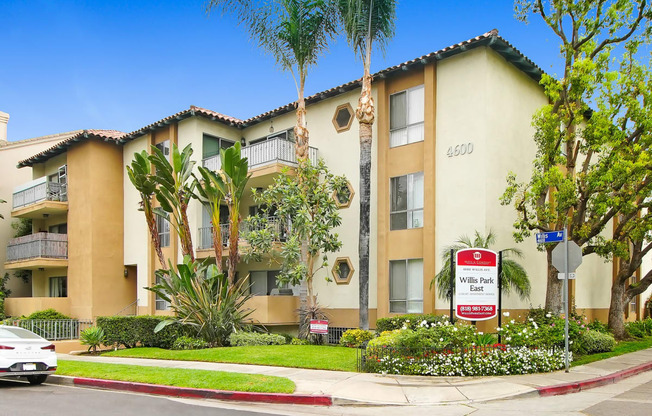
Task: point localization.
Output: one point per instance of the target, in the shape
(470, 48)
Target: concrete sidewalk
(376, 389)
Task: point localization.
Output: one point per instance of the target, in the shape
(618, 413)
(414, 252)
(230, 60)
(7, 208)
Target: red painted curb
(575, 387)
(320, 400)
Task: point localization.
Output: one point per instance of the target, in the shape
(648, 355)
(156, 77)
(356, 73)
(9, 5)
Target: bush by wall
(138, 330)
(355, 337)
(409, 321)
(639, 329)
(47, 314)
(2, 306)
(243, 339)
(591, 342)
(189, 343)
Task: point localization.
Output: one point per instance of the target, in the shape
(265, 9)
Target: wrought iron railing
(264, 153)
(206, 233)
(46, 245)
(41, 190)
(53, 329)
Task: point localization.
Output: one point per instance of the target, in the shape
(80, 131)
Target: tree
(174, 188)
(295, 33)
(210, 193)
(140, 175)
(514, 277)
(303, 237)
(366, 22)
(568, 188)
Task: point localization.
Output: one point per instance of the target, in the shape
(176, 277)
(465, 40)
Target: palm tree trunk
(153, 233)
(300, 130)
(365, 114)
(218, 248)
(234, 231)
(186, 239)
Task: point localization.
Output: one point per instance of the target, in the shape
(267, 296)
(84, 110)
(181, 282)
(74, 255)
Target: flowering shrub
(496, 360)
(542, 330)
(410, 321)
(355, 337)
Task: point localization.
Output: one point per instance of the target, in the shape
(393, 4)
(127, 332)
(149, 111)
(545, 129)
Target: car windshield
(17, 333)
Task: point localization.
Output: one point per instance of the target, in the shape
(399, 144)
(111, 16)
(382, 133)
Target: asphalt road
(629, 397)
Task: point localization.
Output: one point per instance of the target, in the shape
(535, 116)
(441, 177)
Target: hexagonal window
(343, 117)
(342, 270)
(344, 195)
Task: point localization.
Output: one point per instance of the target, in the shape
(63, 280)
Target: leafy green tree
(203, 300)
(140, 175)
(514, 277)
(301, 233)
(578, 179)
(295, 33)
(174, 189)
(366, 22)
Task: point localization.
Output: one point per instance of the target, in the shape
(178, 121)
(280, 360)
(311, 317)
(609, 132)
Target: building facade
(450, 126)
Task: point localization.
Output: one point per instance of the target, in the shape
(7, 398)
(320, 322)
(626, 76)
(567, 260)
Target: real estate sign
(318, 326)
(476, 284)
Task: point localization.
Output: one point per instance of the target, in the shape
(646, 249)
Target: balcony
(268, 155)
(39, 197)
(37, 251)
(206, 234)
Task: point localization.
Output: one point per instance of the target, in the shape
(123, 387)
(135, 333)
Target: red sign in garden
(318, 326)
(476, 284)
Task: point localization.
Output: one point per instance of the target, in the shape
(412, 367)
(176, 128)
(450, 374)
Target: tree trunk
(617, 310)
(234, 257)
(300, 130)
(186, 239)
(153, 233)
(554, 287)
(217, 244)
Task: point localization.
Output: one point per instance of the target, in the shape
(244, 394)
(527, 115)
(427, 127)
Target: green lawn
(622, 347)
(300, 356)
(200, 379)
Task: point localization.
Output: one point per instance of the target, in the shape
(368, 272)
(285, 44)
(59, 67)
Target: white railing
(53, 329)
(265, 153)
(39, 190)
(49, 245)
(206, 233)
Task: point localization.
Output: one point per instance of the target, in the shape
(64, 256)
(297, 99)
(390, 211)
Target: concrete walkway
(377, 389)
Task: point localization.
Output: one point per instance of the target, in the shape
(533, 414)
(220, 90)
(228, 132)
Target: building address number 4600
(460, 150)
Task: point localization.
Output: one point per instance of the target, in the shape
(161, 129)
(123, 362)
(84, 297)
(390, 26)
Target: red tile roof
(62, 146)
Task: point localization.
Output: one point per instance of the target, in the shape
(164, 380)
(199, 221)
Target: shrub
(482, 339)
(386, 339)
(189, 343)
(2, 306)
(471, 362)
(597, 325)
(133, 330)
(355, 337)
(299, 341)
(591, 342)
(288, 337)
(243, 339)
(637, 329)
(410, 321)
(93, 337)
(48, 314)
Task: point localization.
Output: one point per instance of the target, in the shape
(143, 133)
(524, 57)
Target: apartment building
(450, 126)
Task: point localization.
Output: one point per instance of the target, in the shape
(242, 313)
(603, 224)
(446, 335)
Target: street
(631, 397)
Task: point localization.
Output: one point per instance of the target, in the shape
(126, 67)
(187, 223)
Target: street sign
(476, 284)
(550, 237)
(574, 257)
(318, 326)
(561, 276)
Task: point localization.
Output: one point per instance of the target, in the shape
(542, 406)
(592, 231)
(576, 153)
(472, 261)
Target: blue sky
(120, 64)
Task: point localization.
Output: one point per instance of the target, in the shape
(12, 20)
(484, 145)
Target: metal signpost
(566, 257)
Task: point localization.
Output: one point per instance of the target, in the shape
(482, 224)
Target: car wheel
(37, 379)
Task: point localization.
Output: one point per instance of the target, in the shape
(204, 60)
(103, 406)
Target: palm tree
(140, 175)
(295, 33)
(210, 193)
(514, 278)
(366, 22)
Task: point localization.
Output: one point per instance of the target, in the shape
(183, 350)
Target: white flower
(505, 313)
(548, 315)
(455, 328)
(511, 322)
(441, 339)
(480, 333)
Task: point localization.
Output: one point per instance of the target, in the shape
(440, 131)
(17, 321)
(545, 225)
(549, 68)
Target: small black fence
(335, 333)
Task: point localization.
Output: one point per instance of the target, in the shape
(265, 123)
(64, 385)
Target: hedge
(131, 331)
(410, 321)
(244, 339)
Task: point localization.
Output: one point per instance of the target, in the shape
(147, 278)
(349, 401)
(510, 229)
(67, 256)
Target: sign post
(476, 284)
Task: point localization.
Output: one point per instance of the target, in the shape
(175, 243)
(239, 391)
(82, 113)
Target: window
(406, 286)
(58, 287)
(164, 147)
(262, 282)
(342, 270)
(406, 206)
(344, 195)
(163, 225)
(287, 134)
(161, 304)
(343, 117)
(211, 145)
(406, 109)
(59, 228)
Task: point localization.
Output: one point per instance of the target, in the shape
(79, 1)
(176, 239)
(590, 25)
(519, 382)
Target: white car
(25, 354)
